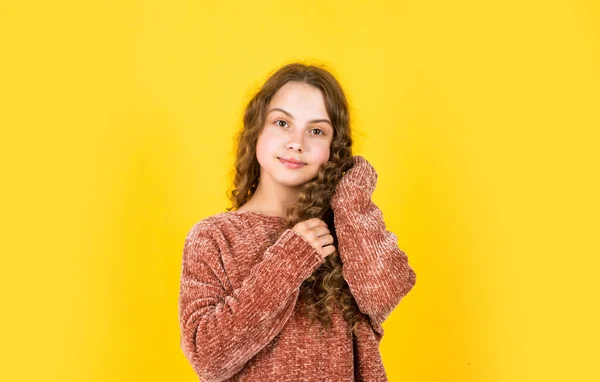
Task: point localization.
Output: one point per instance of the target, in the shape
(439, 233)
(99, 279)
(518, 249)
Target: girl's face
(297, 126)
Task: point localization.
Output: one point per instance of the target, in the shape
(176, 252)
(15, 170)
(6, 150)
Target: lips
(292, 160)
(291, 163)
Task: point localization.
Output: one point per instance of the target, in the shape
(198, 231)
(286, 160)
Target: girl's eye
(280, 120)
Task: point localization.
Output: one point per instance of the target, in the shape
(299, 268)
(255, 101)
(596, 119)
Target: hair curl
(325, 286)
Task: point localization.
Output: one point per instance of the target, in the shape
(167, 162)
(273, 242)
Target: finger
(314, 222)
(328, 250)
(326, 240)
(321, 230)
(322, 241)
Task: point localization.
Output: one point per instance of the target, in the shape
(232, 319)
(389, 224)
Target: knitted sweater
(238, 311)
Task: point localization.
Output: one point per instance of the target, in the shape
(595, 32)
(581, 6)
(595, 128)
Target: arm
(221, 330)
(375, 268)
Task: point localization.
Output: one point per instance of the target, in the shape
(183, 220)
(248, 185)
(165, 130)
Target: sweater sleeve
(374, 267)
(221, 329)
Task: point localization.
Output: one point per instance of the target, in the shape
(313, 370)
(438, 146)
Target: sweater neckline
(259, 215)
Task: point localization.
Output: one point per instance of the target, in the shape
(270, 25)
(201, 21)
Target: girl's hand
(361, 176)
(315, 231)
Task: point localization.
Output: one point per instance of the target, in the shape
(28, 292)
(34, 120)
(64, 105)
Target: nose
(295, 142)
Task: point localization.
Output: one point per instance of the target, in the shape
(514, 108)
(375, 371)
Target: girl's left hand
(361, 175)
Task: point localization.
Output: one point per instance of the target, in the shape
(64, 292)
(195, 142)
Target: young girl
(295, 282)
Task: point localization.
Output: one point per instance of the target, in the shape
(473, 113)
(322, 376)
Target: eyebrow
(292, 117)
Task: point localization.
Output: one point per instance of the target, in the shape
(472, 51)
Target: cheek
(321, 153)
(267, 144)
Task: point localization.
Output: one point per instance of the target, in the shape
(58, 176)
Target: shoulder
(221, 225)
(210, 236)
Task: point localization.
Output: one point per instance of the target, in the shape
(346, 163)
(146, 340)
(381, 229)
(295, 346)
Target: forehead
(300, 100)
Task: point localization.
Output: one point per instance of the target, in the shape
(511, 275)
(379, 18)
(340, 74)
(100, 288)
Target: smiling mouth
(291, 164)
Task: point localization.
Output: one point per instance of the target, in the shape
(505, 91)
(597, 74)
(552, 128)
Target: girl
(295, 282)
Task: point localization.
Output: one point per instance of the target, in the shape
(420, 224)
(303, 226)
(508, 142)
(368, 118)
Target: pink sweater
(239, 286)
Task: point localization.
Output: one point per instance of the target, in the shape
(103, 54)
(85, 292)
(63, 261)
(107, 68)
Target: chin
(291, 180)
(298, 182)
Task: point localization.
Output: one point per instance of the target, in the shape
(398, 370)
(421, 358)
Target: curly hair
(325, 286)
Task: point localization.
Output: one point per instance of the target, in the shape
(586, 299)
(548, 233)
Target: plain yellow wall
(481, 119)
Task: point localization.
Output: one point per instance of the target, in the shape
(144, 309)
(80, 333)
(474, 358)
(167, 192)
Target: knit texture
(238, 311)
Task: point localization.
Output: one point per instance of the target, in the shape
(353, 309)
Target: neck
(272, 198)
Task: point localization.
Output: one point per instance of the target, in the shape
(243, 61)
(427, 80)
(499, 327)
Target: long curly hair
(325, 286)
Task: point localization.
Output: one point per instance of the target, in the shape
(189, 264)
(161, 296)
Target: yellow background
(481, 119)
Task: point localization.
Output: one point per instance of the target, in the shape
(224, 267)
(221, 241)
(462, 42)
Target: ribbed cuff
(298, 258)
(361, 176)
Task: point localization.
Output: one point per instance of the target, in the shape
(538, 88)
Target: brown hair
(325, 286)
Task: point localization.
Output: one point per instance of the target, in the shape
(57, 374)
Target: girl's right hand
(315, 231)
